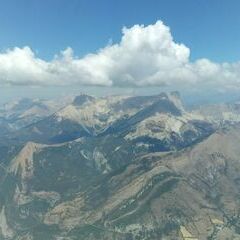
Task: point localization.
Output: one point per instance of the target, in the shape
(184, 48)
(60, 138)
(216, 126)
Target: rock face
(152, 120)
(137, 168)
(23, 163)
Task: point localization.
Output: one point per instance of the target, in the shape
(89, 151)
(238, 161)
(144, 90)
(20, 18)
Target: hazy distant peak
(81, 99)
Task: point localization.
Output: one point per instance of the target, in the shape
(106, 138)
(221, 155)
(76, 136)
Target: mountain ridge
(161, 173)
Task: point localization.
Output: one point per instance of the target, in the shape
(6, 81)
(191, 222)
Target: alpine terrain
(119, 167)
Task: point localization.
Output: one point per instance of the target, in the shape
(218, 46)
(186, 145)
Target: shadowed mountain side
(105, 188)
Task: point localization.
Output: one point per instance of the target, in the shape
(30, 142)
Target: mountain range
(119, 167)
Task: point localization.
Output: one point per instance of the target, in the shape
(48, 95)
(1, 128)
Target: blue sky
(187, 45)
(209, 28)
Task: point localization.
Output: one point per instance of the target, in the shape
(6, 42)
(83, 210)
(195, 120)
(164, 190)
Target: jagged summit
(87, 116)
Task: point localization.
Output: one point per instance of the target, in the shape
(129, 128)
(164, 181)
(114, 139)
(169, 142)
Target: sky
(56, 47)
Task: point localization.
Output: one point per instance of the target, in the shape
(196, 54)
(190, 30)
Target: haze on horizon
(161, 50)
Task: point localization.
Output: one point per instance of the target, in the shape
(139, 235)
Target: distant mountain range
(119, 167)
(20, 113)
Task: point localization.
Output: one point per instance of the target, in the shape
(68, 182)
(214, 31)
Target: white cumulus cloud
(145, 56)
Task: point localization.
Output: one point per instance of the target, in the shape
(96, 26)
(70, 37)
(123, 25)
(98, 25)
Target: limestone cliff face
(23, 163)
